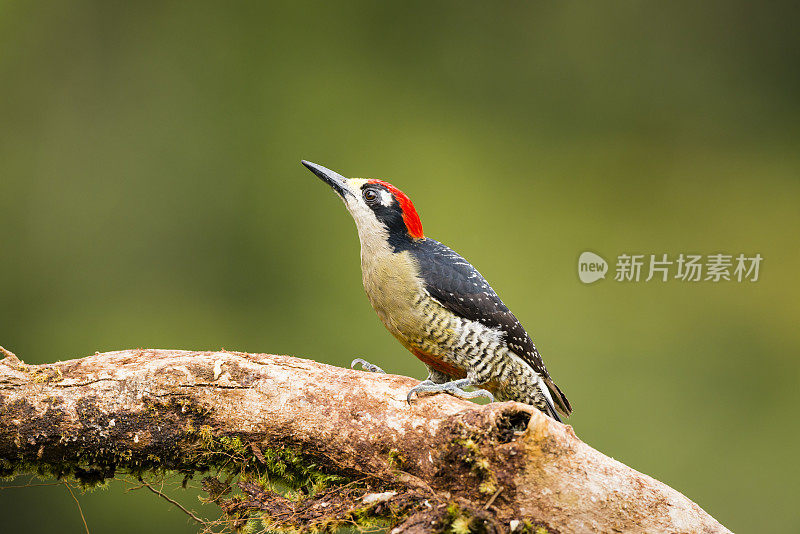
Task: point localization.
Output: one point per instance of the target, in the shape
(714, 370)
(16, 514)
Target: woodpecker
(439, 306)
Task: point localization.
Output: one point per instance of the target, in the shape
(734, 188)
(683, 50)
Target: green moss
(280, 468)
(529, 527)
(365, 518)
(487, 487)
(462, 525)
(396, 459)
(251, 527)
(46, 375)
(459, 521)
(188, 445)
(479, 464)
(93, 459)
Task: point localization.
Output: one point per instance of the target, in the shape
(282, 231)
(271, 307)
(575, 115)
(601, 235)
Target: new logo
(591, 267)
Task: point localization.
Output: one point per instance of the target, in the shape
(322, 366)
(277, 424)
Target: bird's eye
(370, 195)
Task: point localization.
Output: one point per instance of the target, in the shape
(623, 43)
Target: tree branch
(307, 445)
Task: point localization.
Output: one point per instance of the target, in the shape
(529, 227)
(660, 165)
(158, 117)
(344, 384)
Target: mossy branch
(302, 446)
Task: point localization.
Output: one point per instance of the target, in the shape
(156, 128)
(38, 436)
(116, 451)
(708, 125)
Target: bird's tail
(560, 400)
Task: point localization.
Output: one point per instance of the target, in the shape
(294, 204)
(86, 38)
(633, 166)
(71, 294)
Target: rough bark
(346, 441)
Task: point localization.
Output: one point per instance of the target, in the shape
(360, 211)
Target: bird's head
(378, 207)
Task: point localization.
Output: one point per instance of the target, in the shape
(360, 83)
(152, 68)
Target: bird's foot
(455, 388)
(366, 366)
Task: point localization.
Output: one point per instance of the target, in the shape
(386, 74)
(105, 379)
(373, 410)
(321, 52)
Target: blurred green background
(151, 196)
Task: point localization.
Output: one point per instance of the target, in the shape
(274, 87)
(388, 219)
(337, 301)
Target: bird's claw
(454, 388)
(461, 394)
(369, 367)
(419, 388)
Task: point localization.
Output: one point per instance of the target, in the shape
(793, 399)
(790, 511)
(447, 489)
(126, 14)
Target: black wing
(459, 287)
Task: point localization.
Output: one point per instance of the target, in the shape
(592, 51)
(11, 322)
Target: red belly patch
(434, 362)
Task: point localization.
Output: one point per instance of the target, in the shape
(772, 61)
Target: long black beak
(333, 179)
